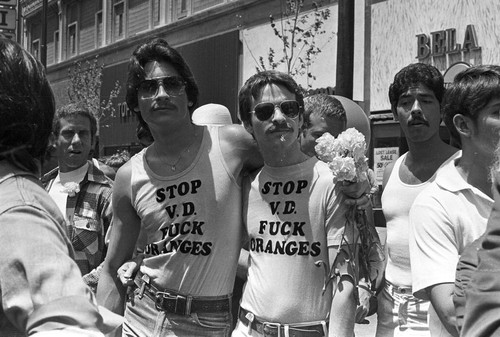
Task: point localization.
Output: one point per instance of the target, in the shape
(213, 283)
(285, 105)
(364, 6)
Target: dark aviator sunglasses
(263, 111)
(173, 86)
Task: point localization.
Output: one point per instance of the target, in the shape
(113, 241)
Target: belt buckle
(277, 326)
(160, 298)
(182, 303)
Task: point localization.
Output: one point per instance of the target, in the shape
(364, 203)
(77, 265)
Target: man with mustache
(453, 211)
(295, 217)
(415, 97)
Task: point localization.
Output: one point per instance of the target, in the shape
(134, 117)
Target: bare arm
(126, 227)
(342, 311)
(441, 297)
(240, 150)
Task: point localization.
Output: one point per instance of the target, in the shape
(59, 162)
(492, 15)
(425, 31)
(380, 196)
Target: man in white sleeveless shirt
(415, 97)
(178, 201)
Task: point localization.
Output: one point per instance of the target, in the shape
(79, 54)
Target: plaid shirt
(89, 215)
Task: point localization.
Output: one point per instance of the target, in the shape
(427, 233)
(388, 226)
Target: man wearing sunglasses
(295, 217)
(180, 202)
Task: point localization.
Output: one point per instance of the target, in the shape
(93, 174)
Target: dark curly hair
(26, 107)
(252, 89)
(412, 75)
(470, 91)
(157, 50)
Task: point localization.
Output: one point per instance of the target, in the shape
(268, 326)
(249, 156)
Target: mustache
(280, 128)
(418, 120)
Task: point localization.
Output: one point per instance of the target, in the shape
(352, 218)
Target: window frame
(69, 51)
(99, 33)
(123, 18)
(57, 45)
(35, 51)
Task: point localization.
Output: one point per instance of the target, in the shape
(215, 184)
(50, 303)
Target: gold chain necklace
(186, 150)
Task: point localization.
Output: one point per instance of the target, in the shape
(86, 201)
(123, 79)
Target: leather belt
(175, 303)
(277, 329)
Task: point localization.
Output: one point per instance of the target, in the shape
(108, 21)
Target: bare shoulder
(122, 179)
(237, 144)
(235, 134)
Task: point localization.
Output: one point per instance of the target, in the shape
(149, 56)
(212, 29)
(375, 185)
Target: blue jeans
(142, 319)
(400, 313)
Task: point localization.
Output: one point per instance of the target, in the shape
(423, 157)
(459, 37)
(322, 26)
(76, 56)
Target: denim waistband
(394, 289)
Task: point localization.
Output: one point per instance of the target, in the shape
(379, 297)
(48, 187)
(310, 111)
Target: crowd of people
(161, 243)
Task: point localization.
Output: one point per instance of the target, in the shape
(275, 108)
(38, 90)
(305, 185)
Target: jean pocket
(213, 320)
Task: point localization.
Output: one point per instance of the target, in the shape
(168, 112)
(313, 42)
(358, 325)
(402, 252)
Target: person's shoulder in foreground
(41, 288)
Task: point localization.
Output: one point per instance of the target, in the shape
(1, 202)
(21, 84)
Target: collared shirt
(89, 215)
(41, 288)
(445, 217)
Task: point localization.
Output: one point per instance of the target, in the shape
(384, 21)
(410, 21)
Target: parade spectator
(324, 113)
(80, 189)
(183, 195)
(295, 218)
(453, 211)
(415, 97)
(41, 289)
(482, 309)
(175, 188)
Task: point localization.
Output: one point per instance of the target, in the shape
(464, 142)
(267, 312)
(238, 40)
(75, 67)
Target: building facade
(208, 33)
(223, 39)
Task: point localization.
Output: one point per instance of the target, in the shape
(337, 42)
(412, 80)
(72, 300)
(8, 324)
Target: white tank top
(191, 222)
(397, 199)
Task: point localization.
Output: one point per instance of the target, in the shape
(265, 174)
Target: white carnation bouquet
(345, 156)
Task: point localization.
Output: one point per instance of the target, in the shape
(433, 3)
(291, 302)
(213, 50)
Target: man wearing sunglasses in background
(295, 218)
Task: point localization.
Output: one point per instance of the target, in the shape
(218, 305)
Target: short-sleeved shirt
(446, 216)
(293, 214)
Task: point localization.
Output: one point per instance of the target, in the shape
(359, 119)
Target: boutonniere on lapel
(71, 188)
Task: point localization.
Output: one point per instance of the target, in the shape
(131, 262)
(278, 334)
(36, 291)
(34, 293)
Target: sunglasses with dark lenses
(263, 111)
(173, 86)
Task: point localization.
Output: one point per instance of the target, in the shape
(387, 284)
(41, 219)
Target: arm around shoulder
(239, 145)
